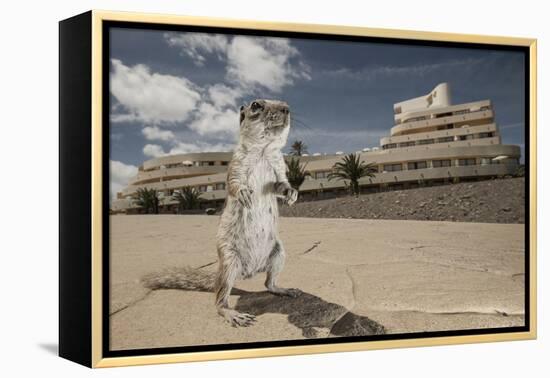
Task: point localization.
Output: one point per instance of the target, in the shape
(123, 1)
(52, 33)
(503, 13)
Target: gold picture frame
(90, 266)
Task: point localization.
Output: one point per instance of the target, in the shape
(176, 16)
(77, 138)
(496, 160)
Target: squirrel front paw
(244, 196)
(285, 191)
(291, 195)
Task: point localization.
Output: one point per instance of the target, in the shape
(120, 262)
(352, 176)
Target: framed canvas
(235, 189)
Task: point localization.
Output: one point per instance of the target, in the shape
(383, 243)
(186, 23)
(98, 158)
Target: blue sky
(175, 92)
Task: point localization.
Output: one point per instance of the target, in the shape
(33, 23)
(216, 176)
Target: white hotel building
(432, 142)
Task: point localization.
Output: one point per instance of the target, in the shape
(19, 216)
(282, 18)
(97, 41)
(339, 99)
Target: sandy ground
(357, 276)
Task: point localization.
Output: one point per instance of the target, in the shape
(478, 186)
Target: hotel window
(388, 146)
(463, 162)
(446, 127)
(485, 108)
(446, 139)
(465, 137)
(425, 141)
(486, 161)
(417, 165)
(225, 162)
(443, 115)
(220, 186)
(393, 167)
(322, 175)
(485, 135)
(441, 163)
(414, 119)
(202, 188)
(464, 111)
(406, 144)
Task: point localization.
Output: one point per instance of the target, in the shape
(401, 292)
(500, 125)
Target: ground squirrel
(247, 239)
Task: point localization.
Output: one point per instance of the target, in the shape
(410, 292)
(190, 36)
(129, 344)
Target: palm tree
(148, 200)
(296, 172)
(298, 148)
(188, 198)
(352, 168)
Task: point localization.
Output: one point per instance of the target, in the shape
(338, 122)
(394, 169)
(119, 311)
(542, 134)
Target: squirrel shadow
(312, 314)
(309, 313)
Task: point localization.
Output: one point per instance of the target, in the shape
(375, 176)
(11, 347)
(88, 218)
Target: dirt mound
(491, 201)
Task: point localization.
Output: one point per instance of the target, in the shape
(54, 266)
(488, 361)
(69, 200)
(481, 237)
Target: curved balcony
(417, 174)
(432, 124)
(192, 157)
(176, 184)
(490, 127)
(144, 177)
(428, 152)
(431, 112)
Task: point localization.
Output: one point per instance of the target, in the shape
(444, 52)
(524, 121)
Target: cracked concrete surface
(364, 277)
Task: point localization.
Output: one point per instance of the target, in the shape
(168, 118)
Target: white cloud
(211, 120)
(252, 62)
(120, 176)
(193, 44)
(154, 133)
(184, 148)
(124, 117)
(421, 70)
(221, 95)
(155, 150)
(252, 65)
(152, 97)
(263, 62)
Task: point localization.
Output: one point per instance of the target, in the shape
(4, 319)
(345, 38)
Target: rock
(210, 211)
(354, 325)
(506, 209)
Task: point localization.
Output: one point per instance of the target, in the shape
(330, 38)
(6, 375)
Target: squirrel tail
(182, 278)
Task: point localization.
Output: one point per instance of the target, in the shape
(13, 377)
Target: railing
(398, 129)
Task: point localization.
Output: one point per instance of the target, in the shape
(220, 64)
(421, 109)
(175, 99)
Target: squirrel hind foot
(291, 292)
(238, 319)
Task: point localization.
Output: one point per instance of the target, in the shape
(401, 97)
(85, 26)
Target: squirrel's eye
(255, 106)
